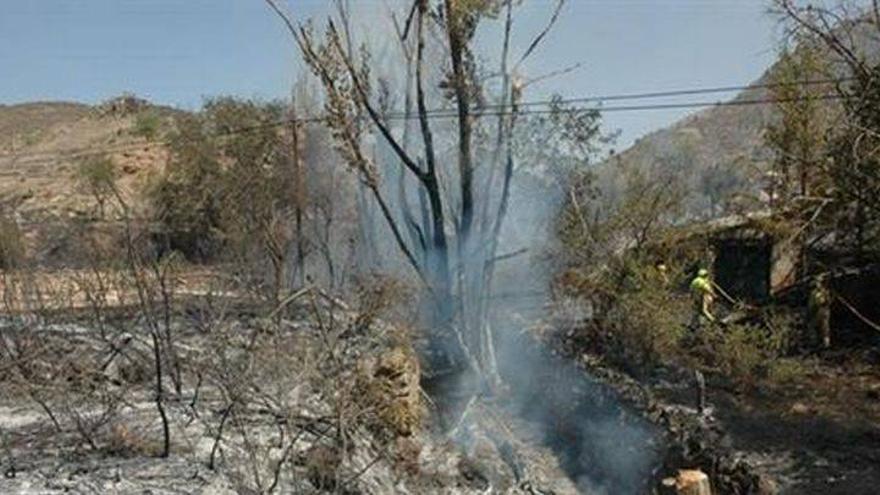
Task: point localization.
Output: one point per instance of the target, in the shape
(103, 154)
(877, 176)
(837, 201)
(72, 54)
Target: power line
(691, 92)
(654, 106)
(485, 111)
(442, 113)
(445, 114)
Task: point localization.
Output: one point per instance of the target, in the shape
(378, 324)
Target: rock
(799, 408)
(123, 105)
(766, 486)
(667, 486)
(692, 482)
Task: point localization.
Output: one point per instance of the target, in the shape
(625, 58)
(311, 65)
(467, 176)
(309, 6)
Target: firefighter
(819, 309)
(662, 273)
(704, 295)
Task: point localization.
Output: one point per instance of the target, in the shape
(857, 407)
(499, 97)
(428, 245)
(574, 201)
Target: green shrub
(641, 315)
(740, 354)
(642, 322)
(33, 137)
(147, 124)
(646, 328)
(97, 177)
(12, 245)
(785, 371)
(748, 353)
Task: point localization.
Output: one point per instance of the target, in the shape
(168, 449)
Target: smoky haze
(600, 444)
(593, 436)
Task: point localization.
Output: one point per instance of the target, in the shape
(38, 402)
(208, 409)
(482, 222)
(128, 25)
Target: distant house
(750, 258)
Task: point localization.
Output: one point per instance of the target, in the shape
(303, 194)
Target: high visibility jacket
(701, 285)
(819, 298)
(701, 288)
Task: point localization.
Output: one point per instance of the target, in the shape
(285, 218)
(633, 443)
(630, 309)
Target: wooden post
(701, 391)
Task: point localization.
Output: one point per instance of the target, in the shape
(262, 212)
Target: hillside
(41, 145)
(711, 153)
(719, 152)
(22, 126)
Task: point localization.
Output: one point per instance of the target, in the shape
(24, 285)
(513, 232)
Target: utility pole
(299, 191)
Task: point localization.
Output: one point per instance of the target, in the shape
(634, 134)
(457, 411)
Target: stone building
(751, 258)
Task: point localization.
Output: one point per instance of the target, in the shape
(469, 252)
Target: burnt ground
(818, 434)
(603, 444)
(490, 452)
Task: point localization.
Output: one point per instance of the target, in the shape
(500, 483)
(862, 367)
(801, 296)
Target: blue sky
(177, 52)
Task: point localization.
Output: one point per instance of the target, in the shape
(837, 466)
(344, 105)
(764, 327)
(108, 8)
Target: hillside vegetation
(713, 153)
(43, 144)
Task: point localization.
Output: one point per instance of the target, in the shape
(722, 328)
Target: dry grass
(18, 122)
(392, 388)
(322, 465)
(124, 440)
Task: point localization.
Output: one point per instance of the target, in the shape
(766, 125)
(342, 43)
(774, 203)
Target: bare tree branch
(827, 33)
(537, 41)
(457, 46)
(552, 74)
(373, 113)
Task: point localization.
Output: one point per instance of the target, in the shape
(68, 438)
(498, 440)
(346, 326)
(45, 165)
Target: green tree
(186, 197)
(798, 136)
(97, 177)
(850, 202)
(229, 194)
(257, 188)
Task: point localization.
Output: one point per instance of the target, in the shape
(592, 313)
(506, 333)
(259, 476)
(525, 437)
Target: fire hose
(857, 313)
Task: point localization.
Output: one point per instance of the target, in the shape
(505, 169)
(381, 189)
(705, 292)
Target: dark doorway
(742, 268)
